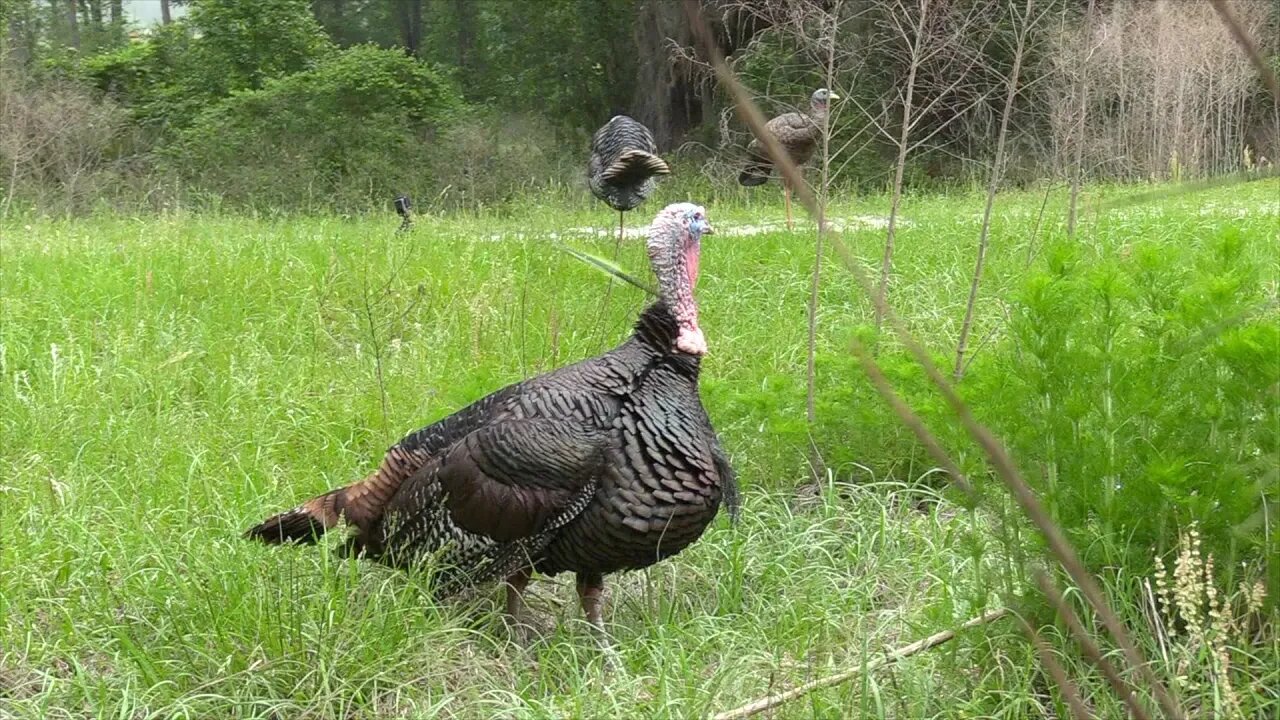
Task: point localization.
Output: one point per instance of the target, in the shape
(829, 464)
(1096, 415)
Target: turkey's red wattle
(690, 339)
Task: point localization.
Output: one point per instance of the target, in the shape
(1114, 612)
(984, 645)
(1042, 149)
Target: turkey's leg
(590, 587)
(516, 615)
(621, 216)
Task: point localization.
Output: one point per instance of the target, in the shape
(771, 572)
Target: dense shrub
(354, 127)
(485, 158)
(247, 44)
(223, 46)
(1139, 392)
(156, 79)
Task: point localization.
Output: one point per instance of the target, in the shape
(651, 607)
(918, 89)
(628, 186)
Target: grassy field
(167, 381)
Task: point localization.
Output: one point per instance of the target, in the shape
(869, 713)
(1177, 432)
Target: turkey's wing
(508, 479)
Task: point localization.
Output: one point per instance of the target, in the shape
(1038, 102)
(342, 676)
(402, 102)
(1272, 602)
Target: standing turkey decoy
(799, 134)
(608, 464)
(624, 165)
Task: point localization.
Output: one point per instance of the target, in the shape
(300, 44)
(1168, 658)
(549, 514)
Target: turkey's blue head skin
(697, 223)
(675, 246)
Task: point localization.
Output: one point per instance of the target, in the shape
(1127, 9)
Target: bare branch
(773, 701)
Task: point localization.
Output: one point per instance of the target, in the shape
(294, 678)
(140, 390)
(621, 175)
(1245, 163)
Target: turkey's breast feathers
(797, 132)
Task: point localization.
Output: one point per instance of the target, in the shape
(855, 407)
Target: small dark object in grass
(403, 207)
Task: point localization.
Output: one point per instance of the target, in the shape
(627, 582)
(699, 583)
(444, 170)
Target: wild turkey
(608, 464)
(623, 165)
(799, 133)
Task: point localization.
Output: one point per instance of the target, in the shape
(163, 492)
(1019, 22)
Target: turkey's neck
(818, 111)
(676, 265)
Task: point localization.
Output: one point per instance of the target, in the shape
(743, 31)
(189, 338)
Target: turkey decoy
(608, 464)
(799, 134)
(624, 165)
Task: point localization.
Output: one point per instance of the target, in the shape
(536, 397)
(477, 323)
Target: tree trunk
(1077, 171)
(21, 43)
(117, 19)
(671, 97)
(816, 464)
(409, 16)
(74, 20)
(666, 101)
(166, 16)
(332, 15)
(95, 13)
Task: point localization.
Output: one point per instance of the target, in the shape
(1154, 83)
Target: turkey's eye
(697, 216)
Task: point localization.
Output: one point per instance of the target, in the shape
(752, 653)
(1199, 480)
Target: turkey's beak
(708, 230)
(833, 96)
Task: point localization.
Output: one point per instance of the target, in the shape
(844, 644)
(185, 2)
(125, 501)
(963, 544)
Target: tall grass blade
(608, 267)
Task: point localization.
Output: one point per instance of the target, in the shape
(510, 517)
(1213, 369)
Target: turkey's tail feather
(634, 166)
(303, 524)
(360, 504)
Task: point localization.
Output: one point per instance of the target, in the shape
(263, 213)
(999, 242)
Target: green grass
(167, 381)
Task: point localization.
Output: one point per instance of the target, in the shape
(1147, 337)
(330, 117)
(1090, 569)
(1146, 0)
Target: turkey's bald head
(821, 99)
(675, 241)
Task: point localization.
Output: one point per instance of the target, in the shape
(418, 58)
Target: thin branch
(996, 453)
(749, 113)
(949, 119)
(997, 168)
(1248, 45)
(773, 701)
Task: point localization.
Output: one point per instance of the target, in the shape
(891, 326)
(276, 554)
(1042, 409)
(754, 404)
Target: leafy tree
(356, 122)
(572, 61)
(223, 46)
(243, 44)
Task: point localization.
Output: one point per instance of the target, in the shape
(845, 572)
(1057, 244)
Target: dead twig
(1250, 48)
(773, 701)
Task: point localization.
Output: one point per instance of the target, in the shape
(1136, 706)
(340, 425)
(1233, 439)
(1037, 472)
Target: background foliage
(560, 70)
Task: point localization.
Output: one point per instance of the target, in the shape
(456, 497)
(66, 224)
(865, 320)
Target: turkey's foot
(525, 630)
(519, 621)
(590, 590)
